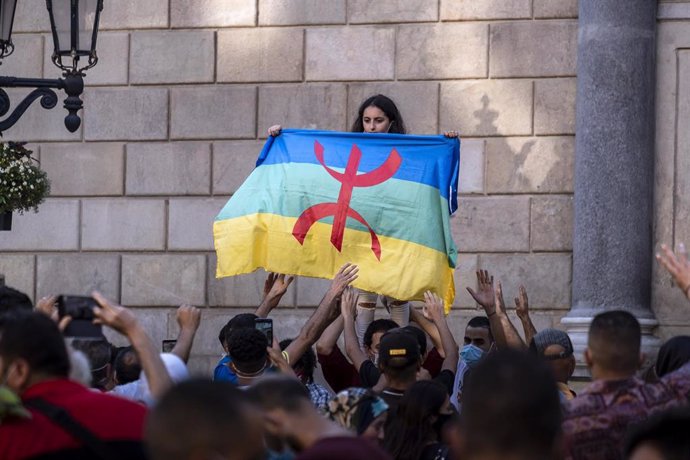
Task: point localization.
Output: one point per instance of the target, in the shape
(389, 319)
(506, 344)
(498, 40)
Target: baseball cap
(542, 340)
(398, 349)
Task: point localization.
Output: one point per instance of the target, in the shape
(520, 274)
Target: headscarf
(355, 408)
(673, 354)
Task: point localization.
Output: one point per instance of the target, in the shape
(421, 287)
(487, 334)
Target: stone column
(614, 166)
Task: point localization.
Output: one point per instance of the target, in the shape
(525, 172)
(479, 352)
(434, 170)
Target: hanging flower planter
(23, 186)
(6, 221)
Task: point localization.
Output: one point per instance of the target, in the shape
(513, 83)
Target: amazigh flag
(319, 199)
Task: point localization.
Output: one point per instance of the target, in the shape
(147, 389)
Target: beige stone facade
(178, 106)
(672, 166)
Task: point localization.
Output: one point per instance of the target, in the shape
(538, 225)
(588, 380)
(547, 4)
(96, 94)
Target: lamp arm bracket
(48, 100)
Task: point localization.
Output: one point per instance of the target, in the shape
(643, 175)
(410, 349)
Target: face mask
(471, 354)
(375, 359)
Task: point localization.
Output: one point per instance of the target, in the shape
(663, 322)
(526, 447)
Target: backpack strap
(64, 420)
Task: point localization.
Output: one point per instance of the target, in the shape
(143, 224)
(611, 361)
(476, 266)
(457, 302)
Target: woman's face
(375, 120)
(375, 429)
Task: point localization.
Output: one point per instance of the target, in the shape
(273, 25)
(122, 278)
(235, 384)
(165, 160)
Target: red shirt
(338, 371)
(116, 421)
(345, 448)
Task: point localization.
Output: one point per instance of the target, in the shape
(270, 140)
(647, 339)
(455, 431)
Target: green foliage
(23, 186)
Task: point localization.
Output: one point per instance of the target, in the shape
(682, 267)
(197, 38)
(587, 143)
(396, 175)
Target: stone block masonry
(176, 113)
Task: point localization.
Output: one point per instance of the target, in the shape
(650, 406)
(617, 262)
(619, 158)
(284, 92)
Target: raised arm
(329, 338)
(348, 308)
(275, 287)
(512, 338)
(123, 321)
(522, 311)
(188, 318)
(324, 314)
(434, 311)
(486, 297)
(677, 266)
(429, 328)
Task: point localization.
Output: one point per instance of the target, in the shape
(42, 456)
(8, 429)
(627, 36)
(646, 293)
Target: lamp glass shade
(74, 24)
(7, 8)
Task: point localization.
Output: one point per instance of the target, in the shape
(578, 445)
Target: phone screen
(168, 345)
(80, 309)
(265, 325)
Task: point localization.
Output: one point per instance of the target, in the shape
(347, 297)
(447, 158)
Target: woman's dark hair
(411, 429)
(673, 355)
(388, 107)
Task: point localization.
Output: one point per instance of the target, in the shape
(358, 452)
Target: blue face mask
(471, 354)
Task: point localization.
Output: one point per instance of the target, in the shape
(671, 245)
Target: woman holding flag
(377, 114)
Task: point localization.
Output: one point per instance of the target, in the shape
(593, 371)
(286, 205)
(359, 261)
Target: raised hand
(348, 303)
(47, 305)
(277, 358)
(345, 276)
(275, 130)
(277, 284)
(484, 295)
(676, 265)
(115, 316)
(268, 284)
(188, 317)
(451, 134)
(521, 304)
(433, 307)
(500, 303)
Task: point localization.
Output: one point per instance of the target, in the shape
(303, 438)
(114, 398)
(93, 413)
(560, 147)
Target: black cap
(398, 349)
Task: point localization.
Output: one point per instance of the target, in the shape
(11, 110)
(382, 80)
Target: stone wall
(672, 166)
(177, 110)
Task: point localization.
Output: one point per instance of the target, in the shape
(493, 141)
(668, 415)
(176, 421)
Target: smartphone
(168, 345)
(265, 325)
(80, 309)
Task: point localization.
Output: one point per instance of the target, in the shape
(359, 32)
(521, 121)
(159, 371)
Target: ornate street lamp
(74, 26)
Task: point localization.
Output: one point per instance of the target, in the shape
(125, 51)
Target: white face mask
(375, 359)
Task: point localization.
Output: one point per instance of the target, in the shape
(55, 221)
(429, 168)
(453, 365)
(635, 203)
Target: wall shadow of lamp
(74, 28)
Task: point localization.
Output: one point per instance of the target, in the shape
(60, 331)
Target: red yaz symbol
(341, 210)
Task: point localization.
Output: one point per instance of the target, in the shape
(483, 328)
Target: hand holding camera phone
(265, 325)
(80, 309)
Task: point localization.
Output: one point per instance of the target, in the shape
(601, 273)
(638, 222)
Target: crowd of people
(401, 392)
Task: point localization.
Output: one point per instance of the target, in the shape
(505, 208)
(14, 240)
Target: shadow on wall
(524, 163)
(487, 124)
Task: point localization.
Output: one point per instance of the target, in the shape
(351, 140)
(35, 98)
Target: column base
(577, 327)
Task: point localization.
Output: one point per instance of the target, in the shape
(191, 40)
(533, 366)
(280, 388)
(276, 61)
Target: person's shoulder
(679, 377)
(590, 402)
(132, 392)
(113, 400)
